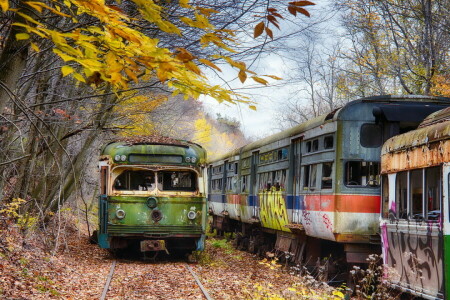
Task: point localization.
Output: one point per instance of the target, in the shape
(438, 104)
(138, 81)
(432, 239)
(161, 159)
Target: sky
(262, 122)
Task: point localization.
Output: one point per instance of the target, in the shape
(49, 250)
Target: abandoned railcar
(415, 227)
(152, 195)
(314, 190)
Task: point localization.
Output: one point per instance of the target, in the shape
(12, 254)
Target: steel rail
(108, 281)
(200, 285)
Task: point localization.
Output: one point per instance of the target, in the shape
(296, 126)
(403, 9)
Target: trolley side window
(178, 180)
(416, 191)
(401, 194)
(362, 173)
(130, 180)
(433, 192)
(385, 196)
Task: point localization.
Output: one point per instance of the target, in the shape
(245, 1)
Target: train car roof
(142, 144)
(434, 128)
(389, 108)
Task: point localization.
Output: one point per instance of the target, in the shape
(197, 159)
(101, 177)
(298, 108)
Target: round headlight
(191, 215)
(188, 159)
(193, 159)
(123, 157)
(117, 158)
(152, 202)
(120, 214)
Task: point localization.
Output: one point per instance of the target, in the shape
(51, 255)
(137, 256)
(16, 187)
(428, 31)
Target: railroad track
(132, 279)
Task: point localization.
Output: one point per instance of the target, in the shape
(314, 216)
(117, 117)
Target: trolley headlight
(193, 159)
(117, 158)
(152, 202)
(188, 159)
(120, 214)
(191, 215)
(123, 157)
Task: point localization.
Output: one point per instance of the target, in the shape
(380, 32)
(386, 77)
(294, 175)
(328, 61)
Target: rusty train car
(152, 195)
(313, 190)
(415, 222)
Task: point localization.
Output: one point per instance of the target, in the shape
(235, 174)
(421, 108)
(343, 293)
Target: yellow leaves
(66, 70)
(338, 294)
(242, 76)
(209, 64)
(22, 36)
(118, 53)
(260, 80)
(184, 55)
(39, 5)
(4, 5)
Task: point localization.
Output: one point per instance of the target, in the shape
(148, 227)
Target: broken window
(135, 180)
(310, 177)
(362, 173)
(178, 180)
(327, 180)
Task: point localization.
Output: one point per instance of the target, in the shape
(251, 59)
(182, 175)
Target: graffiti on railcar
(414, 260)
(273, 212)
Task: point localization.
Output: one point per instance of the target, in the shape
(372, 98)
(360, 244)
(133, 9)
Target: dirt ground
(78, 270)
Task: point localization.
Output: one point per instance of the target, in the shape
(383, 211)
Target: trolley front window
(131, 180)
(178, 180)
(362, 173)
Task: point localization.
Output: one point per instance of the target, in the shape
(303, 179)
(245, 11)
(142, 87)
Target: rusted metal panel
(423, 156)
(153, 245)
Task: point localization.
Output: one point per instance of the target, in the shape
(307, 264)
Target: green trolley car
(152, 195)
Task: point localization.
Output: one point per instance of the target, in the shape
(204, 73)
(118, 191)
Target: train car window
(217, 185)
(280, 180)
(265, 181)
(235, 168)
(178, 180)
(283, 154)
(433, 193)
(327, 180)
(416, 192)
(308, 146)
(371, 135)
(328, 142)
(401, 195)
(130, 180)
(315, 146)
(245, 183)
(384, 196)
(362, 173)
(310, 177)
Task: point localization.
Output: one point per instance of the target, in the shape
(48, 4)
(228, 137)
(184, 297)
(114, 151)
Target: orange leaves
(296, 6)
(259, 29)
(273, 16)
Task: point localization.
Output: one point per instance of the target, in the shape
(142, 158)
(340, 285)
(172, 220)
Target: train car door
(253, 198)
(446, 227)
(294, 199)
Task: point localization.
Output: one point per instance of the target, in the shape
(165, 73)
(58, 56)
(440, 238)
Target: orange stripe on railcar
(343, 203)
